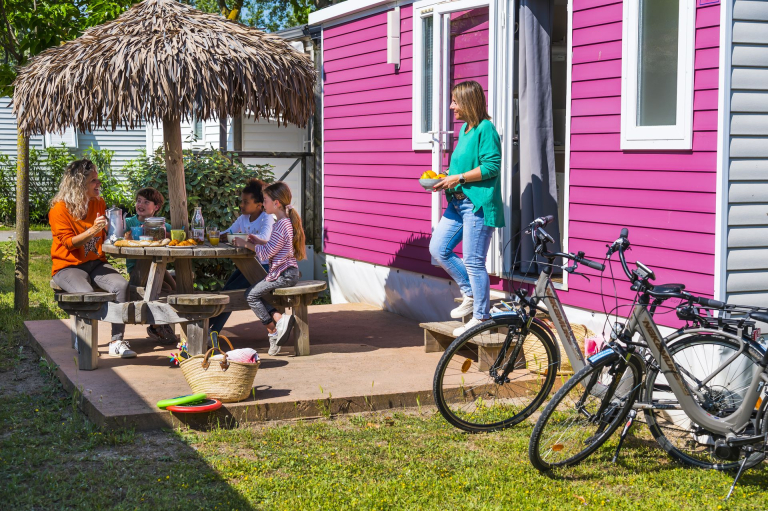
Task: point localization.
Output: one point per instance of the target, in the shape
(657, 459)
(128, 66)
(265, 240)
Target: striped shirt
(278, 250)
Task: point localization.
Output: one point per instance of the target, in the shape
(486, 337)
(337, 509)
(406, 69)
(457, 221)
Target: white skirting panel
(413, 295)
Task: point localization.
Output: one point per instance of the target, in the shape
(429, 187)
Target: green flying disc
(180, 400)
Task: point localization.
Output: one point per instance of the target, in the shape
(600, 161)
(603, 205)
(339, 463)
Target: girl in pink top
(285, 246)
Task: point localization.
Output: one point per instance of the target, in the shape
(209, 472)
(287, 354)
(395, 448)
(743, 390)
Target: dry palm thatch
(163, 60)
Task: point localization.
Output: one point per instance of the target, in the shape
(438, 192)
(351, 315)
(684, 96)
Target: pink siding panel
(639, 217)
(580, 5)
(596, 88)
(708, 17)
(596, 70)
(706, 79)
(645, 180)
(398, 119)
(708, 37)
(596, 124)
(370, 96)
(396, 171)
(591, 35)
(708, 58)
(670, 201)
(703, 141)
(597, 52)
(705, 120)
(598, 16)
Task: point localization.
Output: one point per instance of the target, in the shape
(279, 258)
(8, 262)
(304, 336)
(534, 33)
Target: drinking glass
(213, 235)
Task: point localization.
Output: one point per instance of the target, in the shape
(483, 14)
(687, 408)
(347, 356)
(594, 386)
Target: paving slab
(362, 358)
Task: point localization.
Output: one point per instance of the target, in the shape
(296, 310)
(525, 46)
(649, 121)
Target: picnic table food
(142, 243)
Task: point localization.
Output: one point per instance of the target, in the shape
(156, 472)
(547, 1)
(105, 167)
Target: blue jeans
(235, 281)
(460, 224)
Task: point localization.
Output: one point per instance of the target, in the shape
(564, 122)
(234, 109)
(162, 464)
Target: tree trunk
(21, 278)
(177, 192)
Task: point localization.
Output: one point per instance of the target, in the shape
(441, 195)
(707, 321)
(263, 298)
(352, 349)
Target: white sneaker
(274, 349)
(469, 324)
(464, 309)
(121, 349)
(284, 327)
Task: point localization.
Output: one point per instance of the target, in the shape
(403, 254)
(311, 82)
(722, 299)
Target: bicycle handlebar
(579, 258)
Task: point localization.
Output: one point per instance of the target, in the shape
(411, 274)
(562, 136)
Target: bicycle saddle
(667, 290)
(759, 316)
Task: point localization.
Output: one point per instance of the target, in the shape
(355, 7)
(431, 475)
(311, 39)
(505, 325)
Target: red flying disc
(207, 405)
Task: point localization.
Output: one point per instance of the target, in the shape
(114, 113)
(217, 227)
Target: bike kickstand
(738, 475)
(624, 433)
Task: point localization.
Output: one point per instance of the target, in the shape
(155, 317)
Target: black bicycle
(499, 372)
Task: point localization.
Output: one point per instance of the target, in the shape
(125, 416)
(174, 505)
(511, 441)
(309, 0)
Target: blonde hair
(471, 100)
(281, 193)
(72, 188)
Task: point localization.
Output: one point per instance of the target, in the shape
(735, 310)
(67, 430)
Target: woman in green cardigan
(474, 204)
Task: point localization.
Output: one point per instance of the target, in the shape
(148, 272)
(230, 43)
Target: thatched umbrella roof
(163, 60)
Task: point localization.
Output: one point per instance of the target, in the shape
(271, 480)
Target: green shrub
(114, 191)
(46, 166)
(214, 181)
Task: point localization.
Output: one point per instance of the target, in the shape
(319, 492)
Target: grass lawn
(32, 227)
(51, 457)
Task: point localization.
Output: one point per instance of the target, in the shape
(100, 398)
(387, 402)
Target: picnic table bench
(189, 309)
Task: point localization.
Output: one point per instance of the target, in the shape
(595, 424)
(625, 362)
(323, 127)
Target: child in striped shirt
(285, 245)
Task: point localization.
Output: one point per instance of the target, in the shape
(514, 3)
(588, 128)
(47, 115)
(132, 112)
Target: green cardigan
(480, 147)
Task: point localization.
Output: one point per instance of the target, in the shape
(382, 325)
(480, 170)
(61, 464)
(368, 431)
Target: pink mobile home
(658, 109)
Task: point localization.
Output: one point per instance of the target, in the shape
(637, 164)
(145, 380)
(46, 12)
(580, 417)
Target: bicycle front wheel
(470, 388)
(585, 412)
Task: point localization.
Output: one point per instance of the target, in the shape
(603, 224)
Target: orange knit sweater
(64, 227)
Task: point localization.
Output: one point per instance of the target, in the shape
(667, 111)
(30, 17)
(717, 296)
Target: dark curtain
(538, 189)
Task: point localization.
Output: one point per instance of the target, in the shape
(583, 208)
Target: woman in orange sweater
(79, 228)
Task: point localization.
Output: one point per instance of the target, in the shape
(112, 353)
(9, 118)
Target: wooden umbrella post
(177, 192)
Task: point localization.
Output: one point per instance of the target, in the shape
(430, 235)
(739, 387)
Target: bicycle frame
(642, 322)
(546, 292)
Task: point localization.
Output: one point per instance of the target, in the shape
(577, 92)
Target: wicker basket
(531, 346)
(226, 381)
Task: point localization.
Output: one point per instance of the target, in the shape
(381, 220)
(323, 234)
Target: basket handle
(206, 362)
(219, 337)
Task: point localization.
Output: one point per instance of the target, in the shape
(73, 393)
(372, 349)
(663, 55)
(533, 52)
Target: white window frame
(421, 141)
(679, 136)
(68, 137)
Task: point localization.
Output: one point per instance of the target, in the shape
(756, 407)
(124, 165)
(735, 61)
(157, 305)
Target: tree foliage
(269, 15)
(27, 27)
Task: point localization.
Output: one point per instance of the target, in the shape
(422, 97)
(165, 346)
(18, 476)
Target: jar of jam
(155, 226)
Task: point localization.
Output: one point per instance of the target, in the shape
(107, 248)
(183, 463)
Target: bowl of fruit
(429, 179)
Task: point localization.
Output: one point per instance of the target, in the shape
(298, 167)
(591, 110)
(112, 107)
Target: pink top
(278, 250)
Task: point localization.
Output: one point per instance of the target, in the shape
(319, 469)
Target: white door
(471, 43)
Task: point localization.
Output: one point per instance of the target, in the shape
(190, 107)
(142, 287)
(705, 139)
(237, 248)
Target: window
(423, 78)
(68, 138)
(197, 129)
(657, 74)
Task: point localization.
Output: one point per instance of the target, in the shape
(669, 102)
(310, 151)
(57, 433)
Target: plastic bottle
(198, 225)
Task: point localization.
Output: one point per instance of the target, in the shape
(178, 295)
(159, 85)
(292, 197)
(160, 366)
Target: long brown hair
(72, 188)
(281, 193)
(471, 100)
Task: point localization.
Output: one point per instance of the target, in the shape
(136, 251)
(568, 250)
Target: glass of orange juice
(213, 235)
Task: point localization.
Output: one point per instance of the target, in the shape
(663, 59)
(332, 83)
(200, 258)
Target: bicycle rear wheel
(585, 412)
(468, 388)
(697, 357)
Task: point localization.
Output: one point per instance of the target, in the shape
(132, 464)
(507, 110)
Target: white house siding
(747, 261)
(264, 135)
(8, 133)
(125, 143)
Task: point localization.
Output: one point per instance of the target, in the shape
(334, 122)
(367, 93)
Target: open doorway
(558, 65)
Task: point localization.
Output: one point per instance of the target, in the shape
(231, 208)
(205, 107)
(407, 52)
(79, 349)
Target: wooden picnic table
(153, 261)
